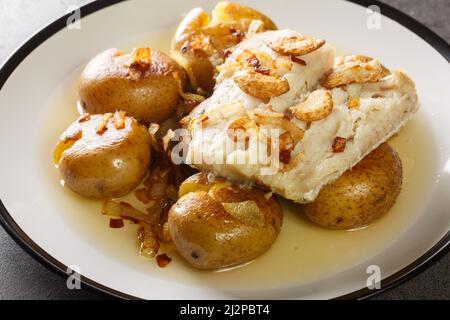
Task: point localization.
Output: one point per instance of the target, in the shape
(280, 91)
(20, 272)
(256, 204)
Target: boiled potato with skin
(146, 84)
(103, 156)
(201, 42)
(361, 195)
(217, 225)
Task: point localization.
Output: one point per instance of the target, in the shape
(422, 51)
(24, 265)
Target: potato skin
(209, 237)
(104, 166)
(105, 85)
(201, 41)
(361, 195)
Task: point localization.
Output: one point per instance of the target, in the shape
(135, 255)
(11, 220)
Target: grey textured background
(21, 277)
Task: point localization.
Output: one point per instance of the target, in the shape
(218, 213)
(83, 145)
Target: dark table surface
(22, 277)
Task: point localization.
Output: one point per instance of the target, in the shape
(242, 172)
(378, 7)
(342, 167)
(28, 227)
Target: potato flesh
(186, 188)
(361, 195)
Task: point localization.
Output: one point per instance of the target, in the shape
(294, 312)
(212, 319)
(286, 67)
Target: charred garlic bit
(116, 223)
(339, 144)
(163, 260)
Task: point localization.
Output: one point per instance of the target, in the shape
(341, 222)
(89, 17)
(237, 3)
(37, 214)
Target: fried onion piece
(153, 129)
(119, 119)
(148, 237)
(103, 125)
(126, 211)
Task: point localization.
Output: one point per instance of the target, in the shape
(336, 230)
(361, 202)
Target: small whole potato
(202, 42)
(361, 195)
(217, 225)
(103, 156)
(146, 84)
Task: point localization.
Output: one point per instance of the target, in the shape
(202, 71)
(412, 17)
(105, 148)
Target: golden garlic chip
(317, 106)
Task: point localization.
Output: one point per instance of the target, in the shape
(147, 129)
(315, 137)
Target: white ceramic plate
(37, 97)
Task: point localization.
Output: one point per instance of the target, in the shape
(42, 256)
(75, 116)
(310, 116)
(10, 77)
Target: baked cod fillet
(315, 115)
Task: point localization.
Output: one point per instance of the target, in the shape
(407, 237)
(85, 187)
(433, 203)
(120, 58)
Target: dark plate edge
(8, 223)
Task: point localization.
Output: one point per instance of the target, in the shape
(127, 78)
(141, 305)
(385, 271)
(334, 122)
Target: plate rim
(25, 242)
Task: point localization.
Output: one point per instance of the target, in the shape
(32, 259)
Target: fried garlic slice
(355, 69)
(296, 45)
(261, 86)
(317, 106)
